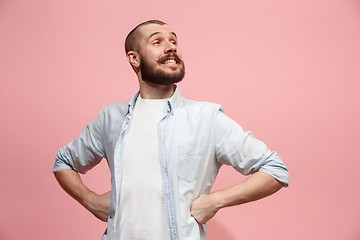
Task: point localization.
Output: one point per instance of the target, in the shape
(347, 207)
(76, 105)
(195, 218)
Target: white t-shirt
(142, 213)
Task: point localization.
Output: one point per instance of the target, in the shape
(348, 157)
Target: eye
(156, 42)
(173, 42)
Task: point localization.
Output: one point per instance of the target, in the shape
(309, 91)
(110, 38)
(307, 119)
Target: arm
(81, 155)
(71, 182)
(255, 187)
(247, 155)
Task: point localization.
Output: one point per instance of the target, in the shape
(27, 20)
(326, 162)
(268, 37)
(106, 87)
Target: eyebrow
(155, 33)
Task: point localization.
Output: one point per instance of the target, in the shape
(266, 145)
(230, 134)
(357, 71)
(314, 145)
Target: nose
(170, 47)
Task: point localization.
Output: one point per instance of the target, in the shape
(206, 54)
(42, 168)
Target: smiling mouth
(170, 59)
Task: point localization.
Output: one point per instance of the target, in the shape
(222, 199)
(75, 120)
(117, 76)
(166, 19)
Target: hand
(99, 205)
(71, 182)
(204, 208)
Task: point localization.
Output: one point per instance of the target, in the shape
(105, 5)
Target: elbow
(62, 161)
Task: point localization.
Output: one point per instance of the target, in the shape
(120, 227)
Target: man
(164, 152)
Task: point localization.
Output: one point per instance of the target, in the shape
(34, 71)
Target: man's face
(160, 59)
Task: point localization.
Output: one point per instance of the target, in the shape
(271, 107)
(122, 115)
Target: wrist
(218, 200)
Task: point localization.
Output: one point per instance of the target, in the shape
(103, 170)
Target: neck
(155, 91)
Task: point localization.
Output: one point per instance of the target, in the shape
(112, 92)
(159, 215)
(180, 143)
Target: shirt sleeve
(84, 152)
(244, 152)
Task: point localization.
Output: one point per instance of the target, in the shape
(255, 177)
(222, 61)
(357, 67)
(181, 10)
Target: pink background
(288, 71)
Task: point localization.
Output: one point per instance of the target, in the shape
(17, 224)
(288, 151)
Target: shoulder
(199, 112)
(114, 110)
(116, 107)
(201, 105)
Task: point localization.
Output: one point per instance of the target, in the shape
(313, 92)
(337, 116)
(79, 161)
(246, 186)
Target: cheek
(154, 52)
(150, 52)
(179, 55)
(149, 60)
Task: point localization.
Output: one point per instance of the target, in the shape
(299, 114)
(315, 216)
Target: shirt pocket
(189, 162)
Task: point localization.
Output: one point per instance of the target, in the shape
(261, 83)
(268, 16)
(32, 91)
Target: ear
(134, 59)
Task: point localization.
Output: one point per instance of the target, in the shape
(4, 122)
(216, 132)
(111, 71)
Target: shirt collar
(173, 102)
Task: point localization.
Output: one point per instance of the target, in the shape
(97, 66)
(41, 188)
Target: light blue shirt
(195, 140)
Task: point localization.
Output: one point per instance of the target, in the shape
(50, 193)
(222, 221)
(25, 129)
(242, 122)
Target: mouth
(170, 59)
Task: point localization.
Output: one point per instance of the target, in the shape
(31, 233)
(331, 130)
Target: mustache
(170, 56)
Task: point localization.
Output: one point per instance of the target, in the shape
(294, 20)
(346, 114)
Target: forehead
(151, 30)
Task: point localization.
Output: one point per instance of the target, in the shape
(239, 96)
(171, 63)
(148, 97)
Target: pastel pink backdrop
(288, 71)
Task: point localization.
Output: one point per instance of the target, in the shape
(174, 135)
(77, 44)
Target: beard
(158, 76)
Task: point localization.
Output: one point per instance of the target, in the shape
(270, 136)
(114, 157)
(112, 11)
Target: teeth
(170, 61)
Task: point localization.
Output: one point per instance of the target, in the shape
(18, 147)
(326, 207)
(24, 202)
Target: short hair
(132, 39)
